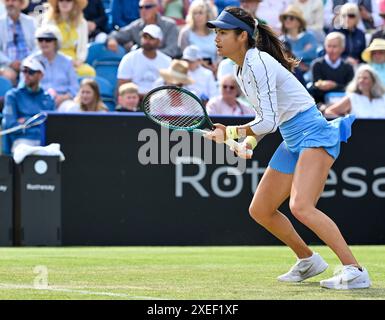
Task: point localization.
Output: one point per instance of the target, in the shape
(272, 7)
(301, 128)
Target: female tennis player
(300, 166)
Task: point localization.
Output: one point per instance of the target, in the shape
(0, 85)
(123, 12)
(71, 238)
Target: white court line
(58, 289)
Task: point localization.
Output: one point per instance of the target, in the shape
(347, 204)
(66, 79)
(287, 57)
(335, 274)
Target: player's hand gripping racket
(179, 109)
(35, 120)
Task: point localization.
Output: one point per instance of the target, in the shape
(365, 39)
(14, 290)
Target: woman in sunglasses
(60, 79)
(227, 102)
(300, 166)
(302, 42)
(347, 23)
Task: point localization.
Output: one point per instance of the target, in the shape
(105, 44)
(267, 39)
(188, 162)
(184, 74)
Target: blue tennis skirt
(309, 129)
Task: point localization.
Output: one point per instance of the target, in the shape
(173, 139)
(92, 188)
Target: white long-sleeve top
(274, 92)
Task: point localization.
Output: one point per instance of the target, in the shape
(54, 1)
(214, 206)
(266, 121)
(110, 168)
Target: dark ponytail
(264, 39)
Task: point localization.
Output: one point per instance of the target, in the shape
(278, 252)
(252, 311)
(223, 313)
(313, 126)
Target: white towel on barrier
(23, 150)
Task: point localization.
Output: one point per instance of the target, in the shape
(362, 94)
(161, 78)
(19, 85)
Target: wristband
(251, 141)
(231, 132)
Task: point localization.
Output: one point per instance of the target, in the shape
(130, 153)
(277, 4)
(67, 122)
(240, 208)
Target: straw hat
(293, 11)
(376, 45)
(25, 4)
(176, 73)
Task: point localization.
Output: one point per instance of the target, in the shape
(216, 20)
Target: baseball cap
(33, 64)
(192, 53)
(154, 31)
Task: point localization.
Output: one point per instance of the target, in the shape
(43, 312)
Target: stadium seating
(333, 97)
(107, 69)
(98, 51)
(107, 92)
(5, 85)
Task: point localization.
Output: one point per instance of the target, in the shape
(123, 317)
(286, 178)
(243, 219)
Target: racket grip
(237, 146)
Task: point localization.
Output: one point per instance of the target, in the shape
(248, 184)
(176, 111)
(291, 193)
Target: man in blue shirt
(22, 103)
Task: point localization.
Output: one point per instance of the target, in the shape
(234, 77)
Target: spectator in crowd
(227, 103)
(330, 72)
(142, 66)
(97, 20)
(355, 37)
(24, 102)
(375, 56)
(128, 99)
(368, 9)
(313, 11)
(67, 15)
(175, 9)
(124, 12)
(365, 97)
(176, 74)
(149, 14)
(303, 43)
(88, 98)
(221, 4)
(17, 38)
(60, 79)
(197, 33)
(204, 86)
(380, 31)
(270, 10)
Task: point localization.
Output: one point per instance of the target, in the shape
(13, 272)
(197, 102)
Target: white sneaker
(349, 277)
(304, 269)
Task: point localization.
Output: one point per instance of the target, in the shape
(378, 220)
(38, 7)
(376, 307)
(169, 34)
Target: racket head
(175, 108)
(35, 120)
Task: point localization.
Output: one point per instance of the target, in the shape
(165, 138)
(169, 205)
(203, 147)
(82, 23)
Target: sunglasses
(29, 71)
(225, 86)
(147, 6)
(349, 15)
(46, 39)
(291, 18)
(378, 52)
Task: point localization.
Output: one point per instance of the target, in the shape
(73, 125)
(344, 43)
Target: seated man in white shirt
(142, 66)
(205, 85)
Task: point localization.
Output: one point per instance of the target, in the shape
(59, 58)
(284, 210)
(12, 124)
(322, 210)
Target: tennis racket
(179, 109)
(35, 120)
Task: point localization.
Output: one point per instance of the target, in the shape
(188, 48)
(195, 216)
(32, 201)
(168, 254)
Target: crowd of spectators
(45, 45)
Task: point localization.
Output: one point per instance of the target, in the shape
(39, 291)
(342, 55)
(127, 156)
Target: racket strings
(174, 108)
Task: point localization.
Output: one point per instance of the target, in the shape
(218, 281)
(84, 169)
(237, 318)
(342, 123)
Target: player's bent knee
(300, 209)
(260, 214)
